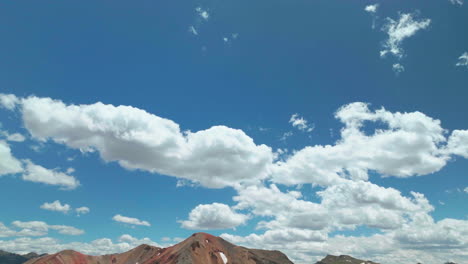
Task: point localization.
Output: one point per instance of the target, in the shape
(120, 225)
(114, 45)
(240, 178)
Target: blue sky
(230, 105)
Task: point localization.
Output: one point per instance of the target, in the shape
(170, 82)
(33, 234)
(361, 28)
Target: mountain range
(200, 248)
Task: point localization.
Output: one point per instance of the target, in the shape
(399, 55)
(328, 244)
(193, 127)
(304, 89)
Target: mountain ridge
(200, 248)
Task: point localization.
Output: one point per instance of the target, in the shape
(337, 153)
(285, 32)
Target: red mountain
(200, 248)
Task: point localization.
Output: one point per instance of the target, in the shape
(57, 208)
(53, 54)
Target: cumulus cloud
(100, 246)
(463, 60)
(37, 173)
(8, 101)
(216, 157)
(398, 30)
(36, 228)
(300, 123)
(213, 216)
(409, 146)
(371, 8)
(56, 206)
(377, 141)
(82, 210)
(130, 220)
(8, 163)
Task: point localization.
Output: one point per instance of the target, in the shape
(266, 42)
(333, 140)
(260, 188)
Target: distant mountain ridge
(12, 258)
(200, 248)
(343, 259)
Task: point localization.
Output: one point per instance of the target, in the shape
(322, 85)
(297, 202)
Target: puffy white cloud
(8, 163)
(36, 228)
(130, 220)
(458, 143)
(51, 245)
(463, 60)
(423, 232)
(56, 206)
(8, 101)
(408, 145)
(215, 157)
(343, 206)
(37, 173)
(397, 31)
(82, 210)
(466, 189)
(371, 8)
(213, 216)
(300, 123)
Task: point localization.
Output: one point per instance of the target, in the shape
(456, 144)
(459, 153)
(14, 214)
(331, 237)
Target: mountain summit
(200, 248)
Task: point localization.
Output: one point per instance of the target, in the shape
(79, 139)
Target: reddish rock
(200, 248)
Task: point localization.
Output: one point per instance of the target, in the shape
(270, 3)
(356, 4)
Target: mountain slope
(200, 248)
(343, 259)
(12, 258)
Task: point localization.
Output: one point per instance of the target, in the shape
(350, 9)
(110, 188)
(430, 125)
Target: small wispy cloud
(456, 2)
(193, 30)
(286, 135)
(130, 220)
(203, 13)
(82, 210)
(398, 68)
(371, 8)
(228, 39)
(463, 60)
(399, 30)
(301, 123)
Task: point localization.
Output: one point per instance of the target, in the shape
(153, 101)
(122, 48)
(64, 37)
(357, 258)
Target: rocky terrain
(200, 248)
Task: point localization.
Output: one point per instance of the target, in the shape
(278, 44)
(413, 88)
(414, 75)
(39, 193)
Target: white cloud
(202, 13)
(397, 31)
(213, 216)
(82, 210)
(398, 68)
(456, 2)
(463, 60)
(286, 135)
(15, 137)
(8, 163)
(193, 30)
(51, 245)
(409, 146)
(458, 143)
(300, 123)
(8, 101)
(36, 228)
(130, 220)
(371, 8)
(36, 173)
(56, 206)
(216, 157)
(67, 230)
